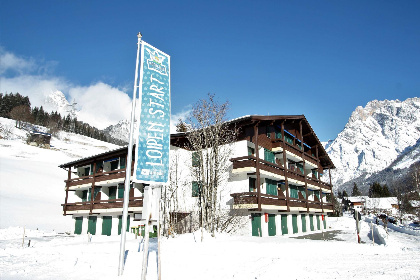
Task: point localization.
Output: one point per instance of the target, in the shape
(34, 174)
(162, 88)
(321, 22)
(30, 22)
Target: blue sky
(317, 58)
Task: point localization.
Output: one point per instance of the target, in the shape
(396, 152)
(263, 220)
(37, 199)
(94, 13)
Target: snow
(61, 256)
(32, 191)
(32, 184)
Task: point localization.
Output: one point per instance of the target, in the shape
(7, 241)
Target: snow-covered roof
(357, 198)
(381, 202)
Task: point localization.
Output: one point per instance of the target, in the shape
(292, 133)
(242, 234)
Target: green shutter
(318, 224)
(311, 221)
(97, 190)
(92, 224)
(300, 166)
(294, 223)
(121, 191)
(122, 162)
(269, 156)
(78, 225)
(196, 188)
(89, 194)
(256, 224)
(112, 192)
(251, 151)
(106, 225)
(271, 224)
(303, 223)
(293, 191)
(325, 223)
(120, 224)
(302, 191)
(195, 159)
(271, 187)
(284, 229)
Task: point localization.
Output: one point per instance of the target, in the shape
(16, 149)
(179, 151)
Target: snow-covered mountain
(56, 101)
(120, 131)
(375, 137)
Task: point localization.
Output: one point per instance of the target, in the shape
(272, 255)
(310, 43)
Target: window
(293, 191)
(195, 159)
(252, 182)
(267, 131)
(278, 133)
(271, 186)
(84, 195)
(314, 173)
(269, 156)
(196, 188)
(300, 166)
(251, 151)
(112, 192)
(122, 162)
(114, 165)
(288, 139)
(302, 191)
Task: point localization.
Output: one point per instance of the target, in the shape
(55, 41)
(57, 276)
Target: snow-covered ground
(60, 256)
(32, 184)
(32, 191)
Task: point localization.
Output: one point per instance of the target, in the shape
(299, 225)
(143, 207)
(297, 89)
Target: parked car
(392, 220)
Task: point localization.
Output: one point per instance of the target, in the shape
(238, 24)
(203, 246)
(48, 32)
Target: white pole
(128, 163)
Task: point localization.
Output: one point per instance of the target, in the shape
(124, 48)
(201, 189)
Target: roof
(381, 202)
(326, 162)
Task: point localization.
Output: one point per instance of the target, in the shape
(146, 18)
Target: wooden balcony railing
(99, 177)
(251, 198)
(102, 204)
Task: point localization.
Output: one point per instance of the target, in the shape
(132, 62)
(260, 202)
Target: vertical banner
(152, 145)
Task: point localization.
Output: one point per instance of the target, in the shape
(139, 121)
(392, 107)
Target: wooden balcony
(102, 204)
(98, 177)
(249, 162)
(249, 200)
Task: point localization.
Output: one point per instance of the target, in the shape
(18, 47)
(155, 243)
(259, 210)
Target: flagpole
(128, 165)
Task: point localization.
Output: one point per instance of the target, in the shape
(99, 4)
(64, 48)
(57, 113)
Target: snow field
(53, 256)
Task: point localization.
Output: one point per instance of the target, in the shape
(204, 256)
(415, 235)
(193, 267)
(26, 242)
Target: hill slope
(32, 184)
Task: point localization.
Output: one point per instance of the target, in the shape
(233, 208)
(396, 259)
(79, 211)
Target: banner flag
(153, 129)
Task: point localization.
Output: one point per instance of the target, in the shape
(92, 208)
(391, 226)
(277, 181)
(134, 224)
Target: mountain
(120, 131)
(56, 101)
(383, 134)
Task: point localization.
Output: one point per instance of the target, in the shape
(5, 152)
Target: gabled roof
(310, 137)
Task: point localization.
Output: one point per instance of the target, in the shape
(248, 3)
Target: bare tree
(21, 114)
(209, 137)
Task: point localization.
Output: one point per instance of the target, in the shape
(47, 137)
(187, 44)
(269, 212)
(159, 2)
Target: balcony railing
(251, 161)
(102, 204)
(98, 177)
(251, 198)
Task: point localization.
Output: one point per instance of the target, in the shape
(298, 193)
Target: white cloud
(11, 62)
(100, 104)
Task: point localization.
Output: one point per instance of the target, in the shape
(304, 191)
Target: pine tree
(355, 191)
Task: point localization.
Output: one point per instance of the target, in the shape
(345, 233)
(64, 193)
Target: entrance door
(294, 223)
(303, 223)
(271, 224)
(256, 224)
(284, 229)
(78, 225)
(106, 225)
(92, 225)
